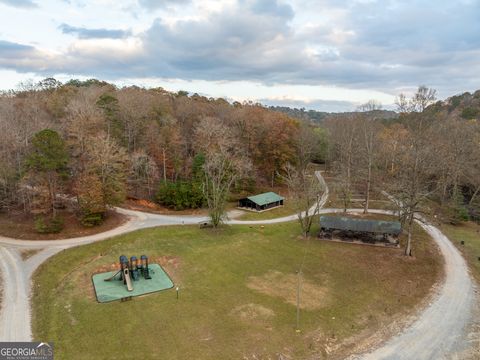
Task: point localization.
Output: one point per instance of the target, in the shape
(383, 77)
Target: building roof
(265, 198)
(360, 225)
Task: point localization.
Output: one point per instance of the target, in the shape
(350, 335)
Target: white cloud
(296, 50)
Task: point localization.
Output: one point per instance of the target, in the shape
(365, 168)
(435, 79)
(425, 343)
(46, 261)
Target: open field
(470, 233)
(237, 296)
(23, 227)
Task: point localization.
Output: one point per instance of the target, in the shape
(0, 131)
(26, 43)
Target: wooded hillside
(98, 143)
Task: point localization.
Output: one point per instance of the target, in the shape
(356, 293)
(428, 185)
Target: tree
(306, 146)
(412, 183)
(47, 162)
(109, 162)
(391, 139)
(225, 163)
(109, 104)
(90, 197)
(370, 129)
(304, 189)
(418, 102)
(143, 174)
(344, 145)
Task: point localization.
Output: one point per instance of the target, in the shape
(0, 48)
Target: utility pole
(299, 277)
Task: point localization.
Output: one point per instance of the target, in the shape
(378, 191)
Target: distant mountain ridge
(463, 106)
(321, 116)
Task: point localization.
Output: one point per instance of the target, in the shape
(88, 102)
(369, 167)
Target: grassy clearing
(237, 288)
(470, 233)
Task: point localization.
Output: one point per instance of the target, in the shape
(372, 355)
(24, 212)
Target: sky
(328, 55)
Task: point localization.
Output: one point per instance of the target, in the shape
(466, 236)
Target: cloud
(23, 58)
(11, 51)
(20, 3)
(274, 8)
(382, 45)
(158, 4)
(316, 104)
(236, 43)
(85, 33)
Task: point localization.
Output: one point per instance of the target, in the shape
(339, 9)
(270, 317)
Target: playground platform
(107, 291)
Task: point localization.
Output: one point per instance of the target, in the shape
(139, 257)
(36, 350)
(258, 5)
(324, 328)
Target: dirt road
(440, 331)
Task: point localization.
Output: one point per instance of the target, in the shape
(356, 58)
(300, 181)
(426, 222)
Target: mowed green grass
(470, 233)
(362, 288)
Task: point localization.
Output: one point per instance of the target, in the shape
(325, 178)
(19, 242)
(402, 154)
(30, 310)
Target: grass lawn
(237, 296)
(470, 233)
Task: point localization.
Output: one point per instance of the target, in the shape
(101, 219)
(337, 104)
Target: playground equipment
(132, 270)
(126, 273)
(145, 270)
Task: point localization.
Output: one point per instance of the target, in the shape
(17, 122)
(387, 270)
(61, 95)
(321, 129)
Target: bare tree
(304, 189)
(109, 162)
(225, 163)
(344, 146)
(413, 183)
(143, 174)
(418, 102)
(370, 129)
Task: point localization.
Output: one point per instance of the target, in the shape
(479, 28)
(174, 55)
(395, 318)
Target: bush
(180, 195)
(92, 219)
(474, 210)
(455, 101)
(457, 210)
(48, 226)
(469, 113)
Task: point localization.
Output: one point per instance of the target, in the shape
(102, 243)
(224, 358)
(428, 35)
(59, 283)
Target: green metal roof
(266, 198)
(360, 225)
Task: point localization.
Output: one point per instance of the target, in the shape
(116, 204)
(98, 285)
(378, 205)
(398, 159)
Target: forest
(89, 145)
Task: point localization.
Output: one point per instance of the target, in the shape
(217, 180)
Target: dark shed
(380, 227)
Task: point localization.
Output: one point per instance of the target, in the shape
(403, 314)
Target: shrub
(469, 113)
(92, 219)
(456, 209)
(48, 226)
(180, 195)
(455, 101)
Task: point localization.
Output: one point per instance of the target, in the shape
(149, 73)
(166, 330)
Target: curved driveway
(437, 333)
